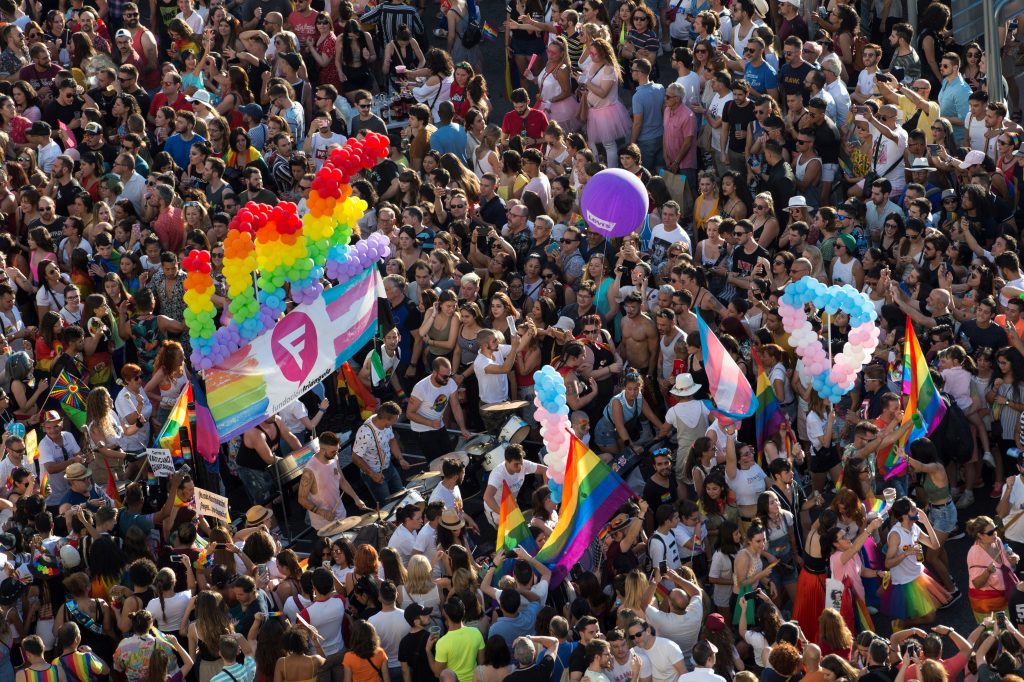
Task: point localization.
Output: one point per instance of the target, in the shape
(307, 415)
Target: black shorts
(822, 463)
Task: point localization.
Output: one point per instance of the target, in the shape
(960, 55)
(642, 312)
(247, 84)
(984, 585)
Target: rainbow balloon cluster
(831, 381)
(553, 416)
(200, 310)
(289, 255)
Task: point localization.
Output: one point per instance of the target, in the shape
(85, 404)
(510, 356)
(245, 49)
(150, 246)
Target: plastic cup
(434, 630)
(890, 496)
(400, 70)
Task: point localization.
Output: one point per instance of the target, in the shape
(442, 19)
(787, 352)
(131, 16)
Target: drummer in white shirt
(447, 491)
(512, 471)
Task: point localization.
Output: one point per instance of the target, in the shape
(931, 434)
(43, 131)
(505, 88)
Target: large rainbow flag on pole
(730, 391)
(169, 436)
(592, 494)
(768, 417)
(922, 396)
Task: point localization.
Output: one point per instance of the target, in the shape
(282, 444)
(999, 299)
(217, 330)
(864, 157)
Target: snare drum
(478, 446)
(494, 457)
(286, 470)
(515, 430)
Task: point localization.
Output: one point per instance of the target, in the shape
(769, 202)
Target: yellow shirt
(924, 122)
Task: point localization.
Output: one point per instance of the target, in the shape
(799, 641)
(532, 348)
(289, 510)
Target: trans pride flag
(729, 389)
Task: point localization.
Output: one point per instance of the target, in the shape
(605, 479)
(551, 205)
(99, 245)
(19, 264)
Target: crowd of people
(854, 143)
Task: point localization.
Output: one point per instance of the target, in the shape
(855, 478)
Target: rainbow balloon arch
(262, 358)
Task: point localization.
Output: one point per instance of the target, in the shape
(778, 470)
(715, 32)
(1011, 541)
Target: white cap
(973, 158)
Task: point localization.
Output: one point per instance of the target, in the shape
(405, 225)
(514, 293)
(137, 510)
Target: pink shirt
(958, 385)
(170, 229)
(978, 560)
(680, 125)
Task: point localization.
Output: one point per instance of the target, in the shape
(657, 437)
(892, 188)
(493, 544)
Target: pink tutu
(608, 123)
(565, 113)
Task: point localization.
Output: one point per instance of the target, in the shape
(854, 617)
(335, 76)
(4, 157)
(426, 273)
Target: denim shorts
(943, 517)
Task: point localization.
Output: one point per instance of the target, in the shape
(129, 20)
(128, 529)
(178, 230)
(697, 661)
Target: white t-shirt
(493, 387)
(292, 415)
(391, 627)
(890, 157)
(681, 628)
(542, 186)
(294, 604)
(664, 547)
(721, 567)
(661, 657)
(327, 616)
(691, 88)
(748, 484)
(515, 481)
(452, 498)
(716, 108)
(402, 541)
(321, 146)
(49, 451)
(662, 238)
(866, 83)
(433, 401)
(168, 617)
(426, 541)
(815, 428)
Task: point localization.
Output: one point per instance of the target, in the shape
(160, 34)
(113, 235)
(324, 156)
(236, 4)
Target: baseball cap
(123, 33)
(93, 128)
(414, 611)
(293, 59)
(253, 111)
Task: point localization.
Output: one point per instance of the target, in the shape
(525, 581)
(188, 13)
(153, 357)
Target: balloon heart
(831, 380)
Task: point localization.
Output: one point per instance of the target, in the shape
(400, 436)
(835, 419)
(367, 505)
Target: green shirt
(458, 650)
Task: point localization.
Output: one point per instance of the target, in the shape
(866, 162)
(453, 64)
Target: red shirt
(160, 100)
(460, 101)
(532, 125)
(170, 229)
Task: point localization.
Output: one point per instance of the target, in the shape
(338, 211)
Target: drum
(515, 430)
(494, 457)
(286, 470)
(410, 497)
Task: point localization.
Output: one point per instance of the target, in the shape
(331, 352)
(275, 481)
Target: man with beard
(143, 41)
(427, 404)
(322, 483)
(255, 190)
(62, 186)
(170, 95)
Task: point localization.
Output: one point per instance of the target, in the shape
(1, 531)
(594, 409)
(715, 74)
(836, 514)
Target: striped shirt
(389, 16)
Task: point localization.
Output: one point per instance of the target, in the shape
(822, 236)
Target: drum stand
(284, 506)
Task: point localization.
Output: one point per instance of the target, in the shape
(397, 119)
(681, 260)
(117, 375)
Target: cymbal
(505, 406)
(439, 462)
(347, 523)
(395, 496)
(424, 476)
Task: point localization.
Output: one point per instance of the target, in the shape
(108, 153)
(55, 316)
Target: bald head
(922, 87)
(812, 657)
(801, 267)
(812, 51)
(887, 110)
(678, 600)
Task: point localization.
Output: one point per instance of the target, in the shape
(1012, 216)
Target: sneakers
(953, 597)
(989, 460)
(440, 33)
(966, 500)
(997, 491)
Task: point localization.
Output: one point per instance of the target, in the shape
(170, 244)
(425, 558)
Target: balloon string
(828, 319)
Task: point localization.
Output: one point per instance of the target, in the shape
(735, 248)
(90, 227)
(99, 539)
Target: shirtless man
(639, 345)
(668, 335)
(701, 297)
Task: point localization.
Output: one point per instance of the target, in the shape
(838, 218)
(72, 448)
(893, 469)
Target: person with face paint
(913, 595)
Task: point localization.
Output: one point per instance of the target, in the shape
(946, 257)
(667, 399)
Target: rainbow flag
(593, 494)
(306, 452)
(69, 392)
(84, 666)
(922, 397)
(488, 31)
(170, 434)
(348, 380)
(730, 391)
(206, 430)
(512, 532)
(768, 416)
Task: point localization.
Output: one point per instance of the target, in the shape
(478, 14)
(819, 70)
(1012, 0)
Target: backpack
(952, 437)
(859, 42)
(472, 35)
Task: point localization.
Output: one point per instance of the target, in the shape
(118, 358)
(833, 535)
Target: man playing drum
(322, 484)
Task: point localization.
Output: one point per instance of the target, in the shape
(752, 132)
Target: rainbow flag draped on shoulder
(922, 396)
(512, 532)
(729, 389)
(593, 493)
(768, 417)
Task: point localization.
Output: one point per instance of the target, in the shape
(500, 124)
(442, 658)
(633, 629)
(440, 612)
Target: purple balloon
(614, 203)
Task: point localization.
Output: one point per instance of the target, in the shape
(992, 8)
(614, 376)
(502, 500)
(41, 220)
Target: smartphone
(511, 321)
(760, 594)
(898, 72)
(327, 565)
(177, 558)
(220, 545)
(1001, 620)
(884, 77)
(860, 108)
(663, 567)
(262, 571)
(823, 12)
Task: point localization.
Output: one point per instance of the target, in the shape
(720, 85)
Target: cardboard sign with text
(160, 461)
(212, 504)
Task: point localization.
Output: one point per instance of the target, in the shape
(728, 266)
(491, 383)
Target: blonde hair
(767, 198)
(633, 591)
(607, 54)
(417, 579)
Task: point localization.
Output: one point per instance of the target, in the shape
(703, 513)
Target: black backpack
(473, 35)
(952, 437)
